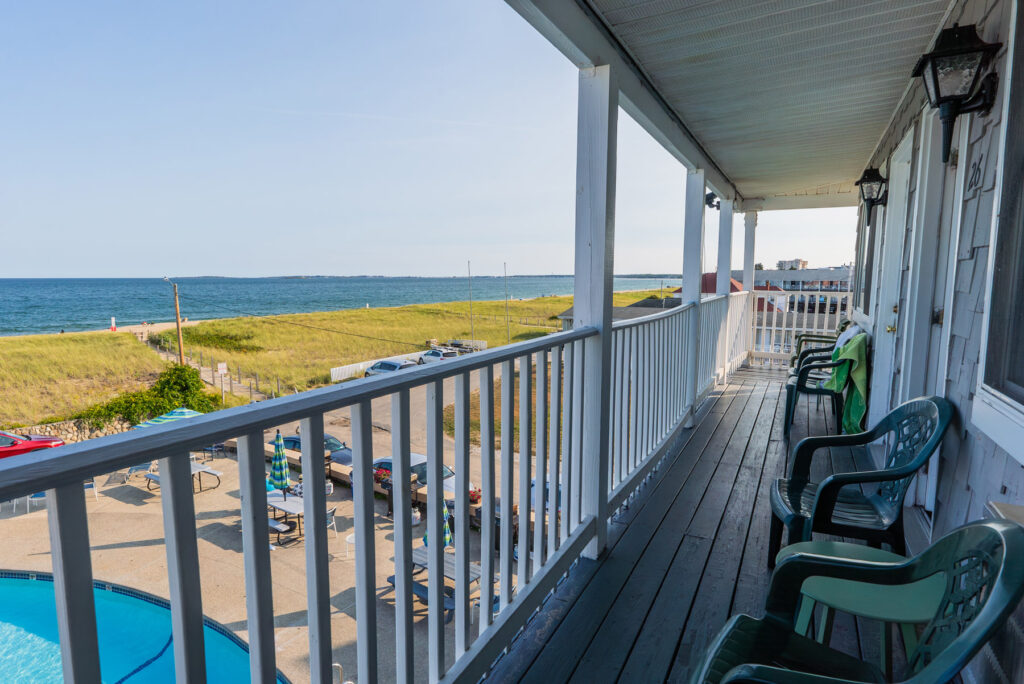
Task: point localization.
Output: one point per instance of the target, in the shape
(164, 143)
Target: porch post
(749, 224)
(592, 289)
(724, 247)
(693, 253)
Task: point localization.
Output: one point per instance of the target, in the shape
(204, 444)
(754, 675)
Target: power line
(274, 319)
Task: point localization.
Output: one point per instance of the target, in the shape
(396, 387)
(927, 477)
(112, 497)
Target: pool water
(134, 638)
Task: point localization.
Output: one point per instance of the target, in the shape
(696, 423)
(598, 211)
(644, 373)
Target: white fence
(652, 391)
(778, 316)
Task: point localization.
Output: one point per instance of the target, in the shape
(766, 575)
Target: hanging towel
(853, 377)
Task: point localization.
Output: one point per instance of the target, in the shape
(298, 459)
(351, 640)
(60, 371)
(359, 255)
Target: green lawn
(300, 349)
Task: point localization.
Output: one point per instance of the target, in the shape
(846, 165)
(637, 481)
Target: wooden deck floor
(685, 556)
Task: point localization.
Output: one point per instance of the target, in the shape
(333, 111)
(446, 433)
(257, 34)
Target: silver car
(388, 366)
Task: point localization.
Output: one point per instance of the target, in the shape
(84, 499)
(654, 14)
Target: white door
(890, 262)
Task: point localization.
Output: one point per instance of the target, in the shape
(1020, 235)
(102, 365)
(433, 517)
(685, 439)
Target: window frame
(995, 413)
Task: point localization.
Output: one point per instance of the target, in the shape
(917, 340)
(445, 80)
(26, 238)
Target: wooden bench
(421, 592)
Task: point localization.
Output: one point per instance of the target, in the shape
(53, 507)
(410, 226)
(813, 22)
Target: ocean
(48, 305)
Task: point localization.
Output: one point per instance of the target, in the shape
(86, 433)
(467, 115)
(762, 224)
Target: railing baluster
(541, 487)
(577, 435)
(486, 376)
(363, 521)
(525, 461)
(568, 383)
(435, 532)
(72, 580)
(259, 601)
(611, 466)
(461, 514)
(401, 493)
(318, 594)
(507, 475)
(183, 567)
(555, 500)
(634, 382)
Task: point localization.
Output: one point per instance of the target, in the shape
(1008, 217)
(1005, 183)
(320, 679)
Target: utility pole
(508, 328)
(177, 318)
(472, 331)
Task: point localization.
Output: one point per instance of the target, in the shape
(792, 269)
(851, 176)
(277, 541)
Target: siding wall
(973, 469)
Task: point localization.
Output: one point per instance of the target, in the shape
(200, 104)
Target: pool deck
(127, 540)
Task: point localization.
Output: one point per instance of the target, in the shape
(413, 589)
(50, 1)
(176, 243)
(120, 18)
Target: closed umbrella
(279, 466)
(446, 532)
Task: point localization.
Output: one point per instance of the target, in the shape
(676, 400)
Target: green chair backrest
(984, 582)
(915, 428)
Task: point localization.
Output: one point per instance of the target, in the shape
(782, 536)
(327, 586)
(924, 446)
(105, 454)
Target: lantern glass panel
(956, 74)
(870, 190)
(928, 76)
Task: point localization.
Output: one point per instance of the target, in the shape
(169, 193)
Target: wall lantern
(951, 74)
(710, 201)
(873, 190)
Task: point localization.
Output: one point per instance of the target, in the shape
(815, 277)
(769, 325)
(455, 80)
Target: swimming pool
(134, 631)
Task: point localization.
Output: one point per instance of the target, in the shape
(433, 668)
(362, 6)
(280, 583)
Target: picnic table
(198, 469)
(420, 559)
(289, 505)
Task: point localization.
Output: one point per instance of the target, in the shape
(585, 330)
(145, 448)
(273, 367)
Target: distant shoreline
(47, 306)
(160, 326)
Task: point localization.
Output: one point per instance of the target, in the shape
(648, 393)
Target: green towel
(856, 405)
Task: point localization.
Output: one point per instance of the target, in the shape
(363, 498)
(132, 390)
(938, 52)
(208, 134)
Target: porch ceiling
(787, 97)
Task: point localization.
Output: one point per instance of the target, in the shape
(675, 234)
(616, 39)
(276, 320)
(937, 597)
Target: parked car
(331, 445)
(435, 355)
(12, 444)
(388, 366)
(418, 467)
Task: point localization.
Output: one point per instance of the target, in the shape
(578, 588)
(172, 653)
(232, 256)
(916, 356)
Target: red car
(12, 444)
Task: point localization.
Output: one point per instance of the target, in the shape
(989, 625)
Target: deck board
(690, 552)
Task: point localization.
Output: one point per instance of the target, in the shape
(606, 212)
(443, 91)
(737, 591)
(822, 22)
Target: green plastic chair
(820, 341)
(904, 605)
(838, 505)
(983, 581)
(810, 380)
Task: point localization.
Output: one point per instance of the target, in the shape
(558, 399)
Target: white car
(435, 355)
(387, 366)
(418, 467)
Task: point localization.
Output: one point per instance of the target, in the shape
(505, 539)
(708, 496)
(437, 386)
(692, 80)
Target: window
(1004, 364)
(998, 407)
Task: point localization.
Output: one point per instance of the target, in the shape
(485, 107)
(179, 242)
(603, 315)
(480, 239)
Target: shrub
(175, 387)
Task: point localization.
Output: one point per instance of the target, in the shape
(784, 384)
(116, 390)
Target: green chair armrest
(803, 452)
(789, 575)
(766, 674)
(805, 370)
(828, 490)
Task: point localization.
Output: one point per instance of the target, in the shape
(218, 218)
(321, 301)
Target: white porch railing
(649, 385)
(778, 316)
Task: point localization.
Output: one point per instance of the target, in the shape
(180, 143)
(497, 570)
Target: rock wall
(75, 430)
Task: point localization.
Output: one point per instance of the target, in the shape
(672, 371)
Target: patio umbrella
(279, 466)
(176, 414)
(446, 532)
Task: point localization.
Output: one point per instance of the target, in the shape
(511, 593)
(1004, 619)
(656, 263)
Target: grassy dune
(301, 349)
(50, 376)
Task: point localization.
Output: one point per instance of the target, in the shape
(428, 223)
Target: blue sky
(267, 137)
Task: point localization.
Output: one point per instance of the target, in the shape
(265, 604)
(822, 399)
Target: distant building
(791, 264)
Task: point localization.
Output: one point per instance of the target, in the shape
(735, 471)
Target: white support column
(749, 226)
(592, 296)
(693, 257)
(724, 247)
